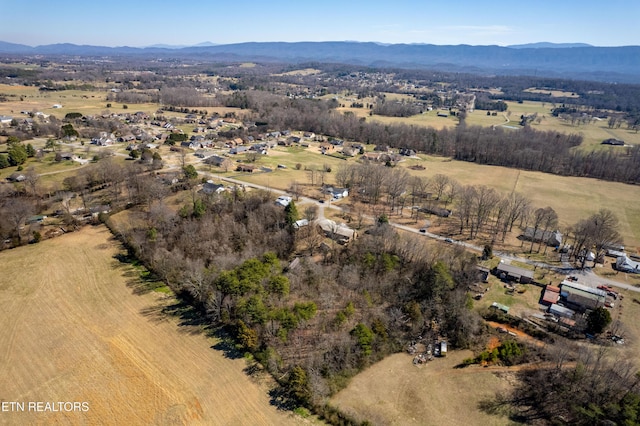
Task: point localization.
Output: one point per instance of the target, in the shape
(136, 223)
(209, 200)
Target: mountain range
(575, 60)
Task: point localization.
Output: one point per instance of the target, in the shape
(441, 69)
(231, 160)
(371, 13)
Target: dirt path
(72, 330)
(520, 334)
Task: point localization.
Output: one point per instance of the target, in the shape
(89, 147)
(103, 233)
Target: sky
(476, 22)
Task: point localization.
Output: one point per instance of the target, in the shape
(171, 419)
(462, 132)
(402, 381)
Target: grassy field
(396, 392)
(86, 102)
(74, 329)
(571, 197)
(593, 133)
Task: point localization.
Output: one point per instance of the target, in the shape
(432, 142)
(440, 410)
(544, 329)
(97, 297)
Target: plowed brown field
(72, 330)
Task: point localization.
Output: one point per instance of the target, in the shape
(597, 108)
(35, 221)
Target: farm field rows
(72, 329)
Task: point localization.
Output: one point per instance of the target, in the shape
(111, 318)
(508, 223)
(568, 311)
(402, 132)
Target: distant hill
(13, 47)
(577, 61)
(181, 46)
(547, 45)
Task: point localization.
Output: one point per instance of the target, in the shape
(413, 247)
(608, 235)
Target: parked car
(448, 240)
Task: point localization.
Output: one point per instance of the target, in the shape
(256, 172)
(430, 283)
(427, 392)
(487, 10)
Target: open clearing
(396, 392)
(72, 329)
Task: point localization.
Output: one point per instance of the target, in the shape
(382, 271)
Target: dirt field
(396, 392)
(72, 330)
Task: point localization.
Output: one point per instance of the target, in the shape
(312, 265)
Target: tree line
(525, 148)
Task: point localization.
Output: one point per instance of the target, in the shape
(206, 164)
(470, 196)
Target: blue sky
(476, 22)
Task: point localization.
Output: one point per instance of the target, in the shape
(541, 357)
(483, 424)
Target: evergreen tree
(598, 320)
(17, 154)
(291, 213)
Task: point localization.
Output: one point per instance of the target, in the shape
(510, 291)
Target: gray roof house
(550, 238)
(625, 264)
(212, 188)
(506, 271)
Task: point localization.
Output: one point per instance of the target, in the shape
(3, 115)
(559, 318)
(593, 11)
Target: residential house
(350, 151)
(336, 193)
(407, 152)
(97, 210)
(260, 148)
(214, 160)
(66, 156)
(283, 200)
(371, 156)
(210, 187)
(248, 168)
(238, 150)
(338, 232)
(190, 145)
(5, 119)
(625, 264)
(514, 273)
(550, 238)
(382, 148)
(203, 153)
(104, 139)
(436, 211)
(16, 177)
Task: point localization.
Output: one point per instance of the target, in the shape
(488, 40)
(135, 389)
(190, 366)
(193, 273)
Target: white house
(624, 264)
(283, 200)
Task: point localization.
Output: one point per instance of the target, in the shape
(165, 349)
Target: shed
(501, 307)
(300, 223)
(561, 311)
(483, 273)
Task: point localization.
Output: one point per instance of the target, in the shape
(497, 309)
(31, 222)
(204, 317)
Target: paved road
(586, 276)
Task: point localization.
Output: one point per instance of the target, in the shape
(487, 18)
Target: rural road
(586, 276)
